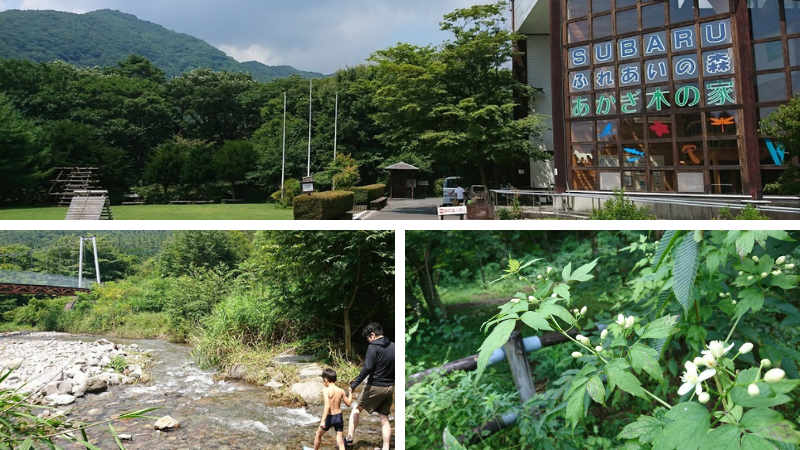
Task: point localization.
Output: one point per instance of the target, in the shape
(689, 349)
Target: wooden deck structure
(89, 205)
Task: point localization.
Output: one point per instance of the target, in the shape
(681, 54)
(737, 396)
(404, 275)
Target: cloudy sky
(316, 35)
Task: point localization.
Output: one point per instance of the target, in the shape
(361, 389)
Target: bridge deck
(34, 289)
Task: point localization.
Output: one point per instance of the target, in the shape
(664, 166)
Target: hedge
(366, 194)
(323, 205)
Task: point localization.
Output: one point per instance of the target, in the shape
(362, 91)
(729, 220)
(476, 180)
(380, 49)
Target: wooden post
(520, 370)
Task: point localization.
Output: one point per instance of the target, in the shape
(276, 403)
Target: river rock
(51, 388)
(65, 387)
(309, 391)
(79, 390)
(312, 371)
(125, 437)
(274, 384)
(166, 423)
(59, 399)
(79, 378)
(95, 385)
(237, 372)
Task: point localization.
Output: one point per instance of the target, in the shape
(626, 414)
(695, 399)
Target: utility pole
(310, 86)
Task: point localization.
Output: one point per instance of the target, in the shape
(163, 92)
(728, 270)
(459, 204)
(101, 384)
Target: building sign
(710, 55)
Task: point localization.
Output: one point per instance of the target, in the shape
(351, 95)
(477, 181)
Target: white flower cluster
(625, 322)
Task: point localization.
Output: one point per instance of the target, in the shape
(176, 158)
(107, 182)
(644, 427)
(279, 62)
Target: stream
(212, 414)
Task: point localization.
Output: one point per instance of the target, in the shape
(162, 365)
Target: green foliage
(118, 363)
(322, 205)
(362, 195)
(783, 125)
(617, 207)
(198, 293)
(285, 198)
(233, 161)
(749, 212)
(19, 153)
(198, 249)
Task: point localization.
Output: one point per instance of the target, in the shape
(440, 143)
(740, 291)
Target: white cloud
(73, 6)
(254, 52)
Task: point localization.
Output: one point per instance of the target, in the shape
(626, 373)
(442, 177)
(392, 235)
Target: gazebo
(401, 180)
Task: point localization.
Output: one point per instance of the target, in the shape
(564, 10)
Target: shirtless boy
(332, 414)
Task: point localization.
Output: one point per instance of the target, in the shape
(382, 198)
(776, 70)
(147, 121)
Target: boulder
(79, 378)
(312, 371)
(51, 388)
(59, 399)
(309, 391)
(64, 387)
(273, 384)
(79, 390)
(237, 372)
(95, 385)
(166, 423)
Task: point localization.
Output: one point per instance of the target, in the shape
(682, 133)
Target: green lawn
(162, 212)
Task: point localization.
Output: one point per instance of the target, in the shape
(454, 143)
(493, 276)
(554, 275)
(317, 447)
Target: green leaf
(595, 389)
(684, 272)
(660, 328)
(784, 281)
(513, 265)
(745, 242)
(620, 377)
(496, 339)
(691, 421)
(712, 261)
(644, 357)
(535, 321)
(577, 383)
(725, 437)
(770, 424)
(582, 272)
(753, 442)
(645, 429)
(664, 245)
(450, 441)
(566, 272)
(559, 311)
(521, 296)
(750, 298)
(575, 407)
(562, 290)
(767, 397)
(26, 444)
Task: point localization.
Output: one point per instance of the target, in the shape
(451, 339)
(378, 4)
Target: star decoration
(659, 128)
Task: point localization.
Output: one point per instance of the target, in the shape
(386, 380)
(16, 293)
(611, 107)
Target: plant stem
(733, 328)
(658, 399)
(719, 388)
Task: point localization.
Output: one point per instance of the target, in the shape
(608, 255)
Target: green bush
(749, 212)
(195, 296)
(292, 188)
(323, 205)
(619, 208)
(365, 194)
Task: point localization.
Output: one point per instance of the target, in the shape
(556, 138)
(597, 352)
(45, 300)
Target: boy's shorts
(335, 421)
(377, 398)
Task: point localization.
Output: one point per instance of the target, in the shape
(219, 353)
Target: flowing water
(212, 414)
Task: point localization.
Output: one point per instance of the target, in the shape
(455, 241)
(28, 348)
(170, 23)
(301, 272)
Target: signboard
(452, 210)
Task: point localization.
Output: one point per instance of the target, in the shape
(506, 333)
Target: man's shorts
(377, 398)
(335, 421)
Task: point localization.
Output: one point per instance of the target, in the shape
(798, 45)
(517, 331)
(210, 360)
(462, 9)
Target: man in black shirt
(379, 392)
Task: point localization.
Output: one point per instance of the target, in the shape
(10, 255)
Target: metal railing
(42, 279)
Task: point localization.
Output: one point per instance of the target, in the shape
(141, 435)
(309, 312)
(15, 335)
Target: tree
(325, 274)
(458, 100)
(137, 66)
(233, 161)
(166, 165)
(202, 249)
(20, 154)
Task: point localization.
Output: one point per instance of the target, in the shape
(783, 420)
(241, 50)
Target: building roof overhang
(532, 16)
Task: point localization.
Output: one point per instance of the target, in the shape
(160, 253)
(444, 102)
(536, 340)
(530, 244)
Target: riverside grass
(162, 212)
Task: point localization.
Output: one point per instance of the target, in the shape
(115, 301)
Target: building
(662, 96)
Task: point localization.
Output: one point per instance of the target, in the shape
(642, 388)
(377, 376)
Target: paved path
(407, 209)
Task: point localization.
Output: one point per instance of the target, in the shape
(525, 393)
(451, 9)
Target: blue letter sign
(654, 44)
(603, 52)
(578, 56)
(683, 38)
(628, 48)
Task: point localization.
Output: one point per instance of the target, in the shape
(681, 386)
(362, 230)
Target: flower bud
(515, 300)
(766, 363)
(703, 397)
(776, 272)
(554, 295)
(699, 361)
(709, 361)
(629, 321)
(780, 260)
(774, 375)
(577, 354)
(741, 273)
(733, 302)
(755, 258)
(531, 298)
(745, 348)
(583, 340)
(749, 277)
(789, 266)
(753, 390)
(722, 294)
(575, 311)
(764, 274)
(549, 269)
(599, 348)
(520, 278)
(603, 334)
(539, 277)
(621, 320)
(583, 310)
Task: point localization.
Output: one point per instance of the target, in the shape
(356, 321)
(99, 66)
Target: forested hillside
(101, 38)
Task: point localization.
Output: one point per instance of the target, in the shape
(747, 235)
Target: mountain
(104, 37)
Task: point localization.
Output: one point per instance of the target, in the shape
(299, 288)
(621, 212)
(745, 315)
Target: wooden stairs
(89, 205)
(71, 179)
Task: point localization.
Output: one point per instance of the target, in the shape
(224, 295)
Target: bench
(231, 200)
(133, 199)
(132, 203)
(180, 202)
(378, 203)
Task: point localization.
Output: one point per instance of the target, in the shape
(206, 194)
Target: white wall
(538, 61)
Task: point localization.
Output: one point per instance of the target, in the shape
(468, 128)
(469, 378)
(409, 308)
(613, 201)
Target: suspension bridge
(15, 280)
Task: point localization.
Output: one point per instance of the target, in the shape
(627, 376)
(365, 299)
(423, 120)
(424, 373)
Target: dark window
(764, 19)
(599, 6)
(771, 87)
(661, 155)
(795, 82)
(794, 52)
(578, 31)
(577, 8)
(717, 7)
(627, 21)
(624, 3)
(582, 131)
(769, 55)
(653, 16)
(688, 125)
(601, 26)
(681, 13)
(792, 16)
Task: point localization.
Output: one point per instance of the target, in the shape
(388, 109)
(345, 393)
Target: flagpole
(283, 160)
(335, 132)
(308, 166)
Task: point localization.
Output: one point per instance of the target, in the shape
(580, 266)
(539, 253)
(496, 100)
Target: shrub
(292, 188)
(322, 205)
(619, 208)
(362, 195)
(748, 213)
